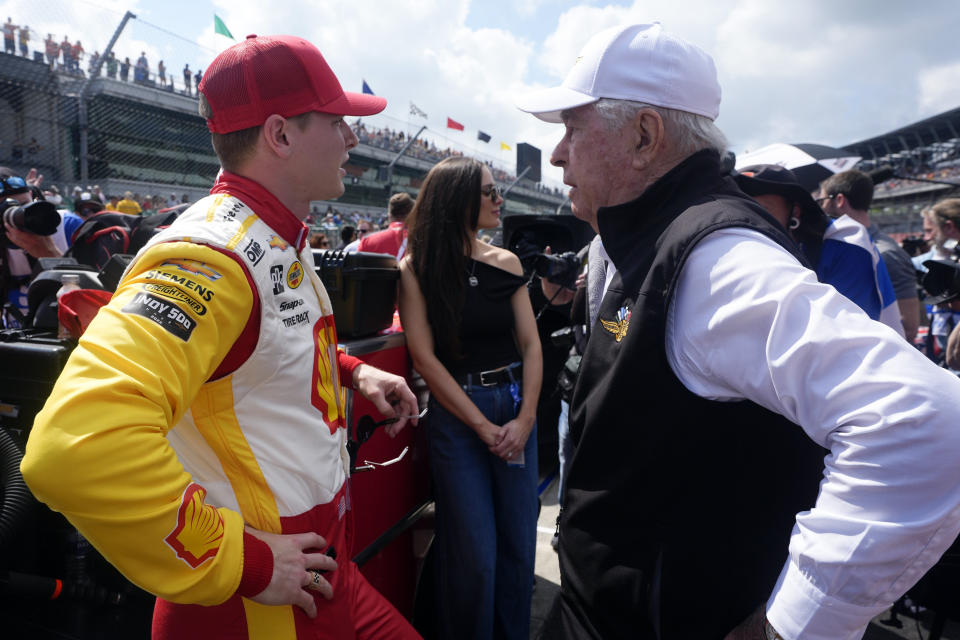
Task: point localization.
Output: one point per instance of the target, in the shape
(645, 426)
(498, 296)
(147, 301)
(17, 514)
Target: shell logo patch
(295, 274)
(199, 530)
(619, 327)
(278, 243)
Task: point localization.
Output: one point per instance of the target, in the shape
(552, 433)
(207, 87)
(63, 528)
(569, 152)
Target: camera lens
(40, 217)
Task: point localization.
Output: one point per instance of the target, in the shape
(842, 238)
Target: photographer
(591, 283)
(943, 340)
(29, 232)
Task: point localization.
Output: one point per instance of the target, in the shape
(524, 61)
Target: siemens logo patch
(166, 314)
(178, 294)
(201, 290)
(290, 305)
(300, 318)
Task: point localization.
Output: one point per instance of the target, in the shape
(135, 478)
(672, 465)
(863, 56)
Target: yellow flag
(505, 147)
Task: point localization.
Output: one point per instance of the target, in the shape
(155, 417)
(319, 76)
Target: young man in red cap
(202, 411)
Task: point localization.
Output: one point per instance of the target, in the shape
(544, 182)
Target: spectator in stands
(52, 50)
(92, 64)
(363, 228)
(66, 51)
(52, 194)
(125, 69)
(850, 193)
(186, 79)
(9, 36)
(348, 233)
(393, 239)
(142, 69)
(76, 55)
(86, 205)
(318, 240)
(112, 66)
(162, 73)
(25, 41)
(129, 205)
(197, 77)
(840, 251)
(112, 203)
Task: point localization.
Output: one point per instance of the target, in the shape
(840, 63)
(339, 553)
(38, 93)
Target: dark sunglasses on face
(491, 191)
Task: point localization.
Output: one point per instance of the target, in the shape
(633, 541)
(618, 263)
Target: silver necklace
(472, 279)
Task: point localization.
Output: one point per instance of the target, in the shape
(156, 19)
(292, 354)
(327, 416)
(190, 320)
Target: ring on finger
(316, 578)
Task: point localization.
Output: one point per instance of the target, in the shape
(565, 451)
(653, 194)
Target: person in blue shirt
(839, 249)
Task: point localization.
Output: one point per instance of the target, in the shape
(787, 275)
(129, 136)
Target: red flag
(453, 124)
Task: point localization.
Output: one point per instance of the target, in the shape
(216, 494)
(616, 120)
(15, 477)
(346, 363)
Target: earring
(794, 223)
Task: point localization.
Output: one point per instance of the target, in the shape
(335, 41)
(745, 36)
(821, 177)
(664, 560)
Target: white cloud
(940, 88)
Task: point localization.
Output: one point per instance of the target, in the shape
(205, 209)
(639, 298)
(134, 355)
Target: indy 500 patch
(166, 314)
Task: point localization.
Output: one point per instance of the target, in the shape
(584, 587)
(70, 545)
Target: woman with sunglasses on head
(473, 338)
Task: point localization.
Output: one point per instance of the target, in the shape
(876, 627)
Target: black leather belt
(489, 378)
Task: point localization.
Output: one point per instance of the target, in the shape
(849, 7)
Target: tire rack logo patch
(295, 274)
(196, 537)
(178, 294)
(253, 251)
(294, 320)
(276, 276)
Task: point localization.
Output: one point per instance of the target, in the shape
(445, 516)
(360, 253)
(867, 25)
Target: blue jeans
(565, 448)
(486, 524)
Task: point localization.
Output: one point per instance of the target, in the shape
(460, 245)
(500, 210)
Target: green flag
(219, 27)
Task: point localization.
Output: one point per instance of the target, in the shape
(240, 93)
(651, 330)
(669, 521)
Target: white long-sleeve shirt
(748, 321)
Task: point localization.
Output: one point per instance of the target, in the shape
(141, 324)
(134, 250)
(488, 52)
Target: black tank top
(486, 327)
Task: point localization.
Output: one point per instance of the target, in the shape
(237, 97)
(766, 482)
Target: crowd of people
(68, 57)
(754, 436)
(387, 138)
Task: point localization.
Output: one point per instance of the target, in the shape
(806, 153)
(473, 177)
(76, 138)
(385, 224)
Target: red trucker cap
(285, 75)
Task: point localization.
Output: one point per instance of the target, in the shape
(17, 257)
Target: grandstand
(918, 153)
(145, 137)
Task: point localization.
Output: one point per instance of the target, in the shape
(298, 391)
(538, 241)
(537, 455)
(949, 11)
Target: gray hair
(688, 132)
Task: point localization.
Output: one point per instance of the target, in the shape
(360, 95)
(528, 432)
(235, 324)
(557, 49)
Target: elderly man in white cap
(722, 385)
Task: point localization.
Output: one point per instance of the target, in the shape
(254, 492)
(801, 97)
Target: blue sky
(820, 71)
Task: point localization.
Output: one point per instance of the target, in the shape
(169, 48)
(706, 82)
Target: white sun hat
(639, 62)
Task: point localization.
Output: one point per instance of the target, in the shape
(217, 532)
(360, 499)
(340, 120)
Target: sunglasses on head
(491, 191)
(13, 184)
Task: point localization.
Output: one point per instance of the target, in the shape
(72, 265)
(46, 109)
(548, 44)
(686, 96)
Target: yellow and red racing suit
(203, 397)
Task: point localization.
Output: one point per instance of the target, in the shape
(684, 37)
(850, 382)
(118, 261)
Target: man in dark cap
(840, 250)
(202, 412)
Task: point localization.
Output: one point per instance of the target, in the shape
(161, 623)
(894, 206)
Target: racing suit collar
(266, 205)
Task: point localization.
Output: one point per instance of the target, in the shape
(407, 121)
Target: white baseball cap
(639, 62)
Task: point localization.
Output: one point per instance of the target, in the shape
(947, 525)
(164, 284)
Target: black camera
(39, 217)
(560, 269)
(942, 281)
